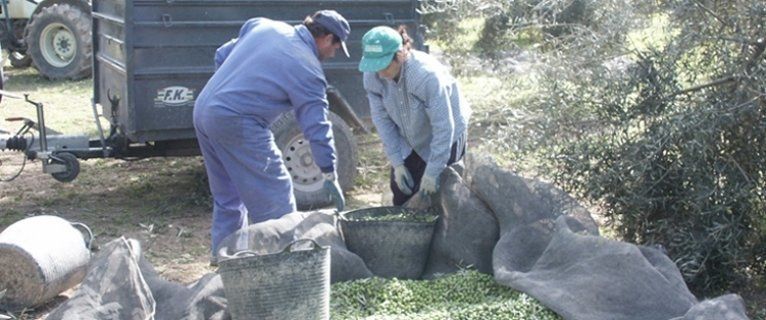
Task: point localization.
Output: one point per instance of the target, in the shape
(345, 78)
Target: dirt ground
(162, 202)
(153, 200)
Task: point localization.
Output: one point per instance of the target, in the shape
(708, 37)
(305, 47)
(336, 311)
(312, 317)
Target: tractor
(54, 35)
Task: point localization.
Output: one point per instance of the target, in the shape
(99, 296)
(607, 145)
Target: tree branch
(710, 12)
(718, 82)
(760, 48)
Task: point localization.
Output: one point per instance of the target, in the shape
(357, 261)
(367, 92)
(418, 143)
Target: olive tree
(670, 140)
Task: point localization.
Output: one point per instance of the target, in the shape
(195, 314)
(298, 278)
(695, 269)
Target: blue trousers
(244, 167)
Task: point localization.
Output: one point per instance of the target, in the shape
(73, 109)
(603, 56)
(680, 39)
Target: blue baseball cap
(335, 23)
(378, 48)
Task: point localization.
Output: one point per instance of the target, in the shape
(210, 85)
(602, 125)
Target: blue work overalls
(271, 68)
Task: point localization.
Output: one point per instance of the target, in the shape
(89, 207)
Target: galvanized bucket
(292, 284)
(390, 249)
(41, 257)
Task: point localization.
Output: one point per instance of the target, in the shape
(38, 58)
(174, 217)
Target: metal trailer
(153, 57)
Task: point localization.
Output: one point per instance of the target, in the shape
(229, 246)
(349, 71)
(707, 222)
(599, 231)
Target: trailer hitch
(63, 166)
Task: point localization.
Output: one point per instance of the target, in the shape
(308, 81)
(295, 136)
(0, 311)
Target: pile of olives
(465, 295)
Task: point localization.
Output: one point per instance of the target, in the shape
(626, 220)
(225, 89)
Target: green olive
(464, 295)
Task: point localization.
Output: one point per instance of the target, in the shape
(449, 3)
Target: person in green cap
(417, 108)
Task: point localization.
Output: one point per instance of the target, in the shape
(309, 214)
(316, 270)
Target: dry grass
(67, 103)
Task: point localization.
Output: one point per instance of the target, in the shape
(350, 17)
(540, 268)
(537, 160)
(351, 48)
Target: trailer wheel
(306, 176)
(59, 42)
(72, 167)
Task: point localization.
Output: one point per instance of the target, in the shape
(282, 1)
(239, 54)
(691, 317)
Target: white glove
(403, 179)
(428, 185)
(333, 188)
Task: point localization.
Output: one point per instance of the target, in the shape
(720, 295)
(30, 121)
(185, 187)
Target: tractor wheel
(306, 176)
(59, 42)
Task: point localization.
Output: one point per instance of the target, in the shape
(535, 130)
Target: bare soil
(164, 203)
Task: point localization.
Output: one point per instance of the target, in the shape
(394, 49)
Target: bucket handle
(244, 253)
(288, 248)
(89, 240)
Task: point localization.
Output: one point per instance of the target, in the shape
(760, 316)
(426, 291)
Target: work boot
(213, 261)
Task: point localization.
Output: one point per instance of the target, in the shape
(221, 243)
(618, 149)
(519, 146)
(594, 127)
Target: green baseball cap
(378, 48)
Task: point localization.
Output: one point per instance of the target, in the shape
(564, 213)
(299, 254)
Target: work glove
(403, 179)
(333, 188)
(429, 185)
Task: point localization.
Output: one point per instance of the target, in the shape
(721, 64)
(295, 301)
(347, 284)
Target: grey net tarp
(532, 236)
(113, 288)
(549, 248)
(466, 232)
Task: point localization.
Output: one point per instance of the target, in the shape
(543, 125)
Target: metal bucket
(390, 249)
(41, 257)
(292, 284)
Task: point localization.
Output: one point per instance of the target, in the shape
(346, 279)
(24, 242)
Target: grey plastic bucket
(292, 284)
(41, 257)
(390, 249)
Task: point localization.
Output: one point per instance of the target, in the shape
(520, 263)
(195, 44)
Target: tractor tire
(59, 42)
(306, 176)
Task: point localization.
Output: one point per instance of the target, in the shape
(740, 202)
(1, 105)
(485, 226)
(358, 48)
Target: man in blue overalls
(269, 69)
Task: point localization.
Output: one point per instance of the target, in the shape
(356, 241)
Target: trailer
(151, 58)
